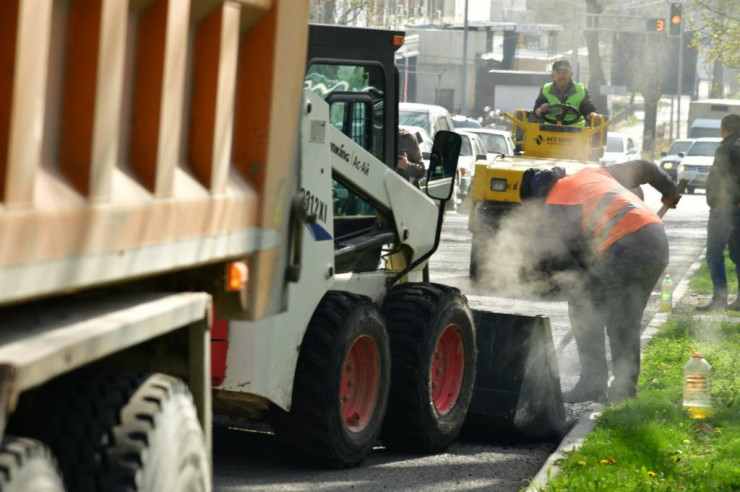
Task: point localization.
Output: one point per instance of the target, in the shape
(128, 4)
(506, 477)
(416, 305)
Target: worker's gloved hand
(670, 201)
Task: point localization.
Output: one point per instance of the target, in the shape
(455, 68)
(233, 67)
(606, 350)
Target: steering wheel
(556, 113)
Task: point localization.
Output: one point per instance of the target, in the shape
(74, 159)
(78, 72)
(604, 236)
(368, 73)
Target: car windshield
(466, 148)
(614, 144)
(703, 148)
(466, 124)
(494, 143)
(677, 147)
(414, 118)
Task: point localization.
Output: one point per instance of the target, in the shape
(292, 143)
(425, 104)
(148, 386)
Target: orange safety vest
(610, 210)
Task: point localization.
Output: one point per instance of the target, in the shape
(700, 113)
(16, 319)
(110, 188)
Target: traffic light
(656, 25)
(674, 22)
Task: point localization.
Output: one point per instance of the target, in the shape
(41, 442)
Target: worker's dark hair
(731, 123)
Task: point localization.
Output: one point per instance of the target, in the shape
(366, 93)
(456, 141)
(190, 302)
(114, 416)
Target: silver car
(697, 162)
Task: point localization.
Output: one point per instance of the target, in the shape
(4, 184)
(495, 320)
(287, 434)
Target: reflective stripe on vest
(610, 211)
(574, 100)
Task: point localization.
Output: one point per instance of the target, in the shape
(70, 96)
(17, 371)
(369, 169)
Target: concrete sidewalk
(587, 420)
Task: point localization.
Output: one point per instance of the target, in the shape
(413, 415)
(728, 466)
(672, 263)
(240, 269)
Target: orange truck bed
(145, 136)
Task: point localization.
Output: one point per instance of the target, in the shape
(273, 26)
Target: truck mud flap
(517, 391)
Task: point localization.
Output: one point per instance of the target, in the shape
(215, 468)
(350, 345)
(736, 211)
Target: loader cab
(354, 71)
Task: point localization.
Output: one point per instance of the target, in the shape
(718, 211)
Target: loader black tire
(433, 358)
(340, 392)
(124, 432)
(28, 465)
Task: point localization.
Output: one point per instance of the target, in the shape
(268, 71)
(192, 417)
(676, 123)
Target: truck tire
(28, 465)
(433, 358)
(125, 431)
(340, 392)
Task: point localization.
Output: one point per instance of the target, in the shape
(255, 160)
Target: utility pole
(464, 109)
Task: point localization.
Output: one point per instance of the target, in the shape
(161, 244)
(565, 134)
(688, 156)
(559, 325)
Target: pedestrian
(563, 90)
(723, 198)
(410, 163)
(593, 226)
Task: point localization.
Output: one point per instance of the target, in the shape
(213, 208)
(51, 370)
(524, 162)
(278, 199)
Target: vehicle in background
(430, 117)
(463, 122)
(697, 162)
(423, 139)
(671, 158)
(497, 142)
(704, 128)
(705, 115)
(473, 150)
(619, 148)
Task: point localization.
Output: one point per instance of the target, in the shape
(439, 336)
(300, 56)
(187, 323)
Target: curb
(587, 421)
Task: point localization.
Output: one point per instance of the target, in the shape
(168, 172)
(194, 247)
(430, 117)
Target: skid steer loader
(363, 346)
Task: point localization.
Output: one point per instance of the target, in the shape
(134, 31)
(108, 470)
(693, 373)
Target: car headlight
(667, 165)
(498, 184)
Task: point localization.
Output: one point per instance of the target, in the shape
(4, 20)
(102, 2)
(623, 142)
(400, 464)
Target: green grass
(648, 442)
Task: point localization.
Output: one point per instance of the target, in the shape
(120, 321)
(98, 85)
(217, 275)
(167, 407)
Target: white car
(697, 162)
(619, 148)
(430, 117)
(472, 151)
(497, 142)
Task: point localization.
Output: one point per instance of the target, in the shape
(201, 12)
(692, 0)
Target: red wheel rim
(360, 383)
(448, 369)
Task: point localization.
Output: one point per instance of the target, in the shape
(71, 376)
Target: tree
(596, 78)
(717, 30)
(342, 12)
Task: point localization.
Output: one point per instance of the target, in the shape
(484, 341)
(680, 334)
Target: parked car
(696, 163)
(497, 142)
(619, 148)
(427, 116)
(472, 151)
(464, 123)
(671, 158)
(424, 140)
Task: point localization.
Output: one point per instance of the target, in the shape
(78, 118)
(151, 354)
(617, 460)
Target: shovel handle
(679, 190)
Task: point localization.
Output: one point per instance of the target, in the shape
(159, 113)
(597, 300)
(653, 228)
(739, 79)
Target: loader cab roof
(372, 48)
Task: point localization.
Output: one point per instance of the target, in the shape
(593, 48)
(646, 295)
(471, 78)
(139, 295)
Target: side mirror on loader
(443, 165)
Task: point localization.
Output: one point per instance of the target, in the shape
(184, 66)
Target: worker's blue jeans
(723, 229)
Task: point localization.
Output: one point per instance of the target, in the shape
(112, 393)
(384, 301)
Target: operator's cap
(561, 65)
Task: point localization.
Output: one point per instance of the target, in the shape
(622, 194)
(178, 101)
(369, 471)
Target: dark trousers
(613, 294)
(723, 229)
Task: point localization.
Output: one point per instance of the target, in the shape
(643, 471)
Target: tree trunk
(650, 123)
(596, 78)
(717, 83)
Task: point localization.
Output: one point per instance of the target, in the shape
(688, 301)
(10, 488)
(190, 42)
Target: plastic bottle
(666, 293)
(697, 385)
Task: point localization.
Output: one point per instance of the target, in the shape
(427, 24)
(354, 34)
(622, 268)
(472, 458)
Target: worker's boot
(716, 304)
(735, 305)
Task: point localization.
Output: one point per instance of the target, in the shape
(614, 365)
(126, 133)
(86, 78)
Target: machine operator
(563, 90)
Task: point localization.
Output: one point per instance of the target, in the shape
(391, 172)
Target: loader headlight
(498, 184)
(681, 169)
(667, 165)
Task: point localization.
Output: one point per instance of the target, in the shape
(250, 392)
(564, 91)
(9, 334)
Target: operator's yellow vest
(574, 100)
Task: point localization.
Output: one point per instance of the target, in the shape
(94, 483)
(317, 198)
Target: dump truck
(541, 144)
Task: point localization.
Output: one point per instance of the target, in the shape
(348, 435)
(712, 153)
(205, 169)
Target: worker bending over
(617, 248)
